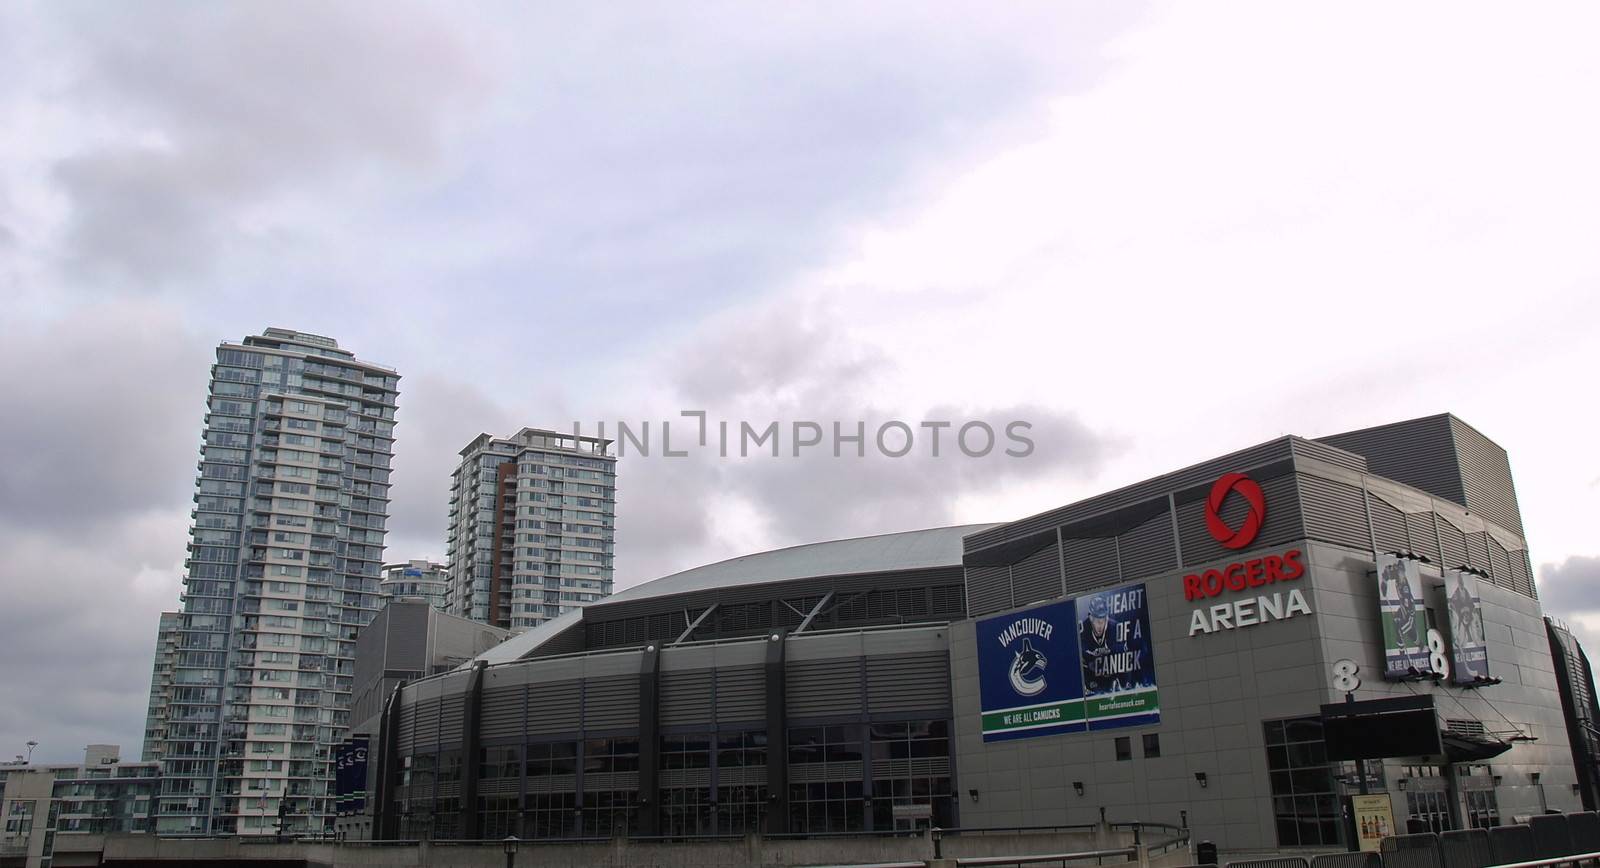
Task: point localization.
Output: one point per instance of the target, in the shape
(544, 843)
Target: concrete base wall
(751, 851)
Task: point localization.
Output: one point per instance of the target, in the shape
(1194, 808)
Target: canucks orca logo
(1027, 670)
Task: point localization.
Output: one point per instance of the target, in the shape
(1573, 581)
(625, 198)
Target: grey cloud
(101, 421)
(80, 632)
(1570, 587)
(238, 106)
(435, 418)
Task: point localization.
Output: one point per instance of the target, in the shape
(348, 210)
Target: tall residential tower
(283, 568)
(531, 520)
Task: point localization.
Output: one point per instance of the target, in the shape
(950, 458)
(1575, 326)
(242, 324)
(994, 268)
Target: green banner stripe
(1053, 714)
(1122, 704)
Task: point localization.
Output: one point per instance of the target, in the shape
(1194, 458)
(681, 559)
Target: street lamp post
(510, 843)
(31, 746)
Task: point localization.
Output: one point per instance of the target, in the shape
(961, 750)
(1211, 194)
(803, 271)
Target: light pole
(510, 843)
(31, 745)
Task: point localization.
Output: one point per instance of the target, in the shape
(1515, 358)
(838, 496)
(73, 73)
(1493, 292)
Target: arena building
(1163, 652)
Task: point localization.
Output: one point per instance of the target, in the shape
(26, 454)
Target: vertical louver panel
(1388, 525)
(408, 728)
(1420, 535)
(1521, 579)
(1478, 551)
(1454, 539)
(1333, 512)
(1148, 548)
(988, 590)
(1486, 477)
(1499, 564)
(427, 725)
(1091, 563)
(907, 683)
(1037, 577)
(823, 688)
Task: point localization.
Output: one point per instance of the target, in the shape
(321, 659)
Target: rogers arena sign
(1245, 575)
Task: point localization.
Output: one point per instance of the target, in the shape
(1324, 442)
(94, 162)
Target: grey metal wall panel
(1037, 577)
(426, 724)
(369, 653)
(1421, 536)
(1388, 525)
(1478, 551)
(988, 590)
(741, 694)
(1203, 473)
(1454, 540)
(407, 636)
(1499, 564)
(1283, 519)
(611, 703)
(1418, 452)
(553, 707)
(1149, 548)
(407, 737)
(1486, 477)
(1521, 579)
(502, 711)
(1090, 563)
(686, 697)
(907, 683)
(1333, 512)
(823, 688)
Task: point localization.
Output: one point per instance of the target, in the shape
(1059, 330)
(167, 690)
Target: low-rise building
(41, 805)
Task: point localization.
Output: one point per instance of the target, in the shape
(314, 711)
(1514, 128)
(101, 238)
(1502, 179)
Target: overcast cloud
(1155, 232)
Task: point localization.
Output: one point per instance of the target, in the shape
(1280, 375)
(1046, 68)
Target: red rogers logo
(1247, 487)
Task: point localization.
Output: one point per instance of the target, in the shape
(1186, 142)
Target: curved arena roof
(908, 550)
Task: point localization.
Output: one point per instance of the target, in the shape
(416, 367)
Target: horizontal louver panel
(823, 688)
(908, 684)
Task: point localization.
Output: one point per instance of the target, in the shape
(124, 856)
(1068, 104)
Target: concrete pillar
(471, 739)
(777, 736)
(649, 740)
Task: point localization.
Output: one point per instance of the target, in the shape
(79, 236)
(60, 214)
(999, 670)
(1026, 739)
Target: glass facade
(531, 528)
(290, 514)
(1305, 803)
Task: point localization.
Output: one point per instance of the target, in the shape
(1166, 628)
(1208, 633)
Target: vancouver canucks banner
(1119, 674)
(1469, 653)
(350, 775)
(1404, 617)
(1068, 667)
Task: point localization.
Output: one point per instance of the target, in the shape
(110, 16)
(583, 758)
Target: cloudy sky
(1156, 232)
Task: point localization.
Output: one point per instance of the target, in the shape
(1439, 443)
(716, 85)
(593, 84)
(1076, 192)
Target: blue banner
(1068, 666)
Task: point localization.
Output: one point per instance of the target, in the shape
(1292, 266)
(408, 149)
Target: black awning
(1462, 747)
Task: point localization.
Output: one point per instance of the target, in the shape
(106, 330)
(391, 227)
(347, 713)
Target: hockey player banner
(1468, 650)
(1403, 616)
(1119, 672)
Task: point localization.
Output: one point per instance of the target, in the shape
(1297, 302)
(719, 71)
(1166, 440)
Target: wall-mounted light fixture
(1200, 778)
(1497, 779)
(1577, 790)
(1534, 777)
(1077, 787)
(1402, 782)
(973, 794)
